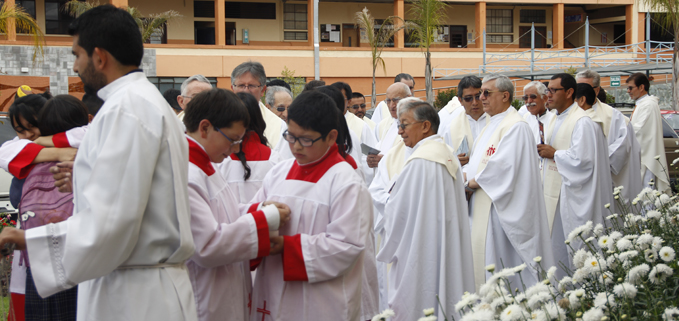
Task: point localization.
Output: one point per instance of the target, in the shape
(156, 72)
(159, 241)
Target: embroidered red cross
(264, 311)
(490, 151)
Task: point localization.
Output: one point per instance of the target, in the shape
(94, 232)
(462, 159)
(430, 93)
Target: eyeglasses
(403, 126)
(486, 93)
(394, 100)
(358, 106)
(305, 142)
(630, 88)
(471, 98)
(248, 87)
(554, 90)
(281, 109)
(188, 97)
(233, 142)
(531, 96)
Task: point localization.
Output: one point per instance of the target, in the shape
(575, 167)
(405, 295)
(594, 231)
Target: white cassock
(624, 152)
(446, 114)
(577, 181)
(509, 225)
(275, 126)
(365, 136)
(225, 241)
(647, 123)
(532, 121)
(259, 158)
(381, 112)
(130, 235)
(319, 275)
(461, 126)
(523, 110)
(387, 135)
(427, 234)
(370, 123)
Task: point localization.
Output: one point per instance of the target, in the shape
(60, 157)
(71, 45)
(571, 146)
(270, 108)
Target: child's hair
(586, 90)
(28, 108)
(61, 113)
(343, 136)
(221, 107)
(257, 125)
(316, 111)
(92, 101)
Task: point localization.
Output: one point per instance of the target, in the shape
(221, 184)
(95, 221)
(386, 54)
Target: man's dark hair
(313, 84)
(219, 106)
(61, 113)
(468, 82)
(405, 76)
(28, 108)
(639, 80)
(567, 82)
(586, 90)
(257, 125)
(343, 86)
(93, 102)
(356, 94)
(170, 96)
(112, 29)
(278, 82)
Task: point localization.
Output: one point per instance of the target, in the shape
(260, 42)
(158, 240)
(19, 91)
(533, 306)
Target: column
(631, 24)
(11, 25)
(118, 3)
(480, 11)
(310, 22)
(642, 28)
(557, 26)
(220, 23)
(399, 11)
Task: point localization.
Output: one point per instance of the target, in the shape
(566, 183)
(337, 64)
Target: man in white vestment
(357, 107)
(538, 117)
(386, 130)
(129, 237)
(427, 228)
(465, 124)
(250, 77)
(278, 99)
(191, 87)
(509, 225)
(576, 171)
(647, 123)
(624, 151)
(382, 111)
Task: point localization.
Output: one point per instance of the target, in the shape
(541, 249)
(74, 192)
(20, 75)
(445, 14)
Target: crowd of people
(209, 204)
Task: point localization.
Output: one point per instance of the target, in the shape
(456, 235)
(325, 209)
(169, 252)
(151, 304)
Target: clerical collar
(198, 156)
(565, 112)
(133, 71)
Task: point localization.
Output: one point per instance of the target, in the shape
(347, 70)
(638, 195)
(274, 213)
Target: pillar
(480, 11)
(557, 26)
(220, 23)
(632, 22)
(310, 22)
(399, 11)
(11, 25)
(118, 3)
(641, 37)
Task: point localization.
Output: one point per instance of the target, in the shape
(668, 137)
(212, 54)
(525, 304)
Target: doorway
(458, 36)
(204, 32)
(230, 33)
(351, 36)
(540, 40)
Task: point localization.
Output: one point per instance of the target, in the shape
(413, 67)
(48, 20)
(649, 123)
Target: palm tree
(12, 17)
(669, 19)
(377, 39)
(427, 16)
(148, 26)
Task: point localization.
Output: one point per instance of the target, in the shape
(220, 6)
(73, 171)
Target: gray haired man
(191, 87)
(277, 100)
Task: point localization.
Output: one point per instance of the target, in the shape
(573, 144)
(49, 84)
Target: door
(540, 40)
(350, 36)
(458, 36)
(204, 32)
(230, 33)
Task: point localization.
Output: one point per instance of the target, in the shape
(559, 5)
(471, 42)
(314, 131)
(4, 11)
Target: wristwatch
(467, 188)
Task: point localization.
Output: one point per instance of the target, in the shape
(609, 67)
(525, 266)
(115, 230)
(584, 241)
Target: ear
(426, 126)
(505, 96)
(570, 93)
(89, 118)
(204, 128)
(180, 101)
(263, 93)
(100, 58)
(332, 136)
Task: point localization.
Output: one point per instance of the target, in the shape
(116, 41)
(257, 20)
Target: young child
(225, 241)
(319, 274)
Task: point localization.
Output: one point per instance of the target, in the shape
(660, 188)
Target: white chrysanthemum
(657, 243)
(671, 313)
(388, 313)
(429, 318)
(615, 235)
(480, 315)
(638, 272)
(428, 312)
(593, 314)
(513, 312)
(627, 255)
(606, 278)
(519, 268)
(602, 299)
(595, 263)
(554, 312)
(653, 214)
(579, 258)
(659, 273)
(598, 229)
(582, 230)
(650, 256)
(467, 300)
(495, 291)
(490, 268)
(625, 290)
(667, 253)
(535, 301)
(661, 201)
(623, 244)
(550, 272)
(537, 288)
(580, 274)
(646, 194)
(644, 241)
(567, 280)
(574, 298)
(606, 242)
(612, 261)
(538, 316)
(537, 259)
(501, 302)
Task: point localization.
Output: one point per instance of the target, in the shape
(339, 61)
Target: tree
(427, 16)
(377, 39)
(12, 16)
(670, 20)
(153, 24)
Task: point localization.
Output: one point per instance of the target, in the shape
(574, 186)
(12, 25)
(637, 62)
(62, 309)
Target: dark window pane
(204, 9)
(536, 16)
(250, 10)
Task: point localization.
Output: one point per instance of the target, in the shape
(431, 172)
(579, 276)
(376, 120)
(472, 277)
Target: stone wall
(57, 64)
(662, 91)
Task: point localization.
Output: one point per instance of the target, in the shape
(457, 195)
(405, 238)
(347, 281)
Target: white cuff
(273, 218)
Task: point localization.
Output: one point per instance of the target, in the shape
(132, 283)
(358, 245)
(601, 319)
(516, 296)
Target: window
(537, 16)
(295, 18)
(204, 9)
(165, 83)
(28, 6)
(56, 20)
(499, 21)
(500, 38)
(250, 10)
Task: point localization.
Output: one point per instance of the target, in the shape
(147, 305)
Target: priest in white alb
(624, 151)
(427, 237)
(647, 123)
(382, 110)
(509, 225)
(386, 130)
(576, 171)
(538, 117)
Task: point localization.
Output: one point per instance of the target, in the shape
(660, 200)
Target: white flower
(580, 274)
(612, 216)
(388, 313)
(429, 318)
(537, 288)
(646, 194)
(657, 157)
(537, 259)
(653, 213)
(607, 205)
(615, 235)
(574, 298)
(636, 273)
(602, 299)
(428, 312)
(671, 314)
(623, 244)
(650, 256)
(579, 258)
(667, 253)
(500, 302)
(480, 315)
(606, 278)
(661, 201)
(644, 240)
(598, 229)
(565, 281)
(625, 290)
(467, 300)
(490, 268)
(535, 301)
(612, 262)
(512, 313)
(589, 239)
(518, 269)
(625, 256)
(582, 230)
(595, 263)
(555, 312)
(538, 316)
(659, 273)
(550, 272)
(657, 243)
(593, 314)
